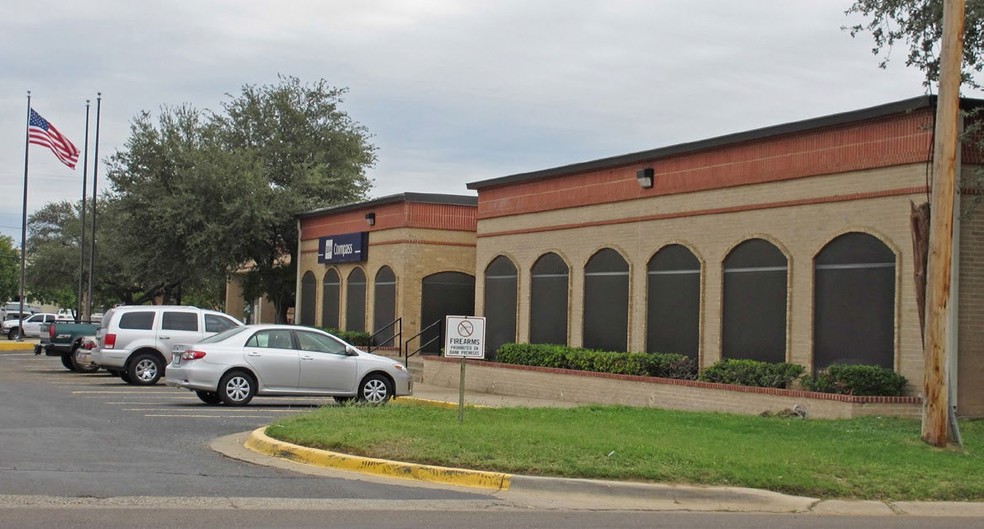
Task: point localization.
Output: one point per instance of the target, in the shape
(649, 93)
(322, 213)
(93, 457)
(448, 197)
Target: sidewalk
(575, 494)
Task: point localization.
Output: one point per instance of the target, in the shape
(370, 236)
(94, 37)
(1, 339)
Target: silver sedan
(284, 360)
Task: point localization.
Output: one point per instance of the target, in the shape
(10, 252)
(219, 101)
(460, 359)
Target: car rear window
(179, 321)
(137, 320)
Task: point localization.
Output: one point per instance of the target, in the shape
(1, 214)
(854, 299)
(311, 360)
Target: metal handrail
(406, 344)
(399, 333)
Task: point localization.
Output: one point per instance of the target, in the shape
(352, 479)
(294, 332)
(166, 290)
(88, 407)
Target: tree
(919, 25)
(182, 205)
(306, 154)
(52, 273)
(9, 269)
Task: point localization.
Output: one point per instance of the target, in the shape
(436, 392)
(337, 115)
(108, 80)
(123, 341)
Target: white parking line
(172, 409)
(212, 416)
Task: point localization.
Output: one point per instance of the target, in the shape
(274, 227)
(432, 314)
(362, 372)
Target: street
(90, 451)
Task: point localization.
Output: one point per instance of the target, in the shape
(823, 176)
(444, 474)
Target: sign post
(464, 337)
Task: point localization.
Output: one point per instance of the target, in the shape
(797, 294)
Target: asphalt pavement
(257, 448)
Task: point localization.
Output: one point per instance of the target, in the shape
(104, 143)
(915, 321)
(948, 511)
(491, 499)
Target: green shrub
(563, 357)
(862, 380)
(745, 372)
(356, 338)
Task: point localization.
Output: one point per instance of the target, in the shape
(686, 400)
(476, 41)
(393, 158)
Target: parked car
(284, 360)
(135, 342)
(29, 327)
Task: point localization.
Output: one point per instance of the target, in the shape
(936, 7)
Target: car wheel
(125, 376)
(209, 397)
(81, 368)
(237, 388)
(375, 389)
(145, 370)
(67, 362)
(12, 335)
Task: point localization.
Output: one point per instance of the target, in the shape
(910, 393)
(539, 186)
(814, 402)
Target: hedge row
(752, 373)
(356, 338)
(864, 380)
(856, 380)
(562, 357)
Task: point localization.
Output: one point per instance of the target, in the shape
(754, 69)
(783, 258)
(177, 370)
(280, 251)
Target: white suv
(135, 342)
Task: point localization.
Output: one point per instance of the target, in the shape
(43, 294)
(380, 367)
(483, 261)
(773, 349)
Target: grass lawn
(868, 458)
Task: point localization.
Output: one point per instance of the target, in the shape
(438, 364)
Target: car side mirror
(351, 351)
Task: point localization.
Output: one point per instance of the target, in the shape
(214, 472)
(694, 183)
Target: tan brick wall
(799, 216)
(970, 347)
(412, 253)
(593, 389)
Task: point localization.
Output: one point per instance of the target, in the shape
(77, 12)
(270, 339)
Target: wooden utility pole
(936, 401)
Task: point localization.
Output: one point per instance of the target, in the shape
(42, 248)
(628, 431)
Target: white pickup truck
(30, 327)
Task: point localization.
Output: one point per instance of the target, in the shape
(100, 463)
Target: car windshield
(223, 335)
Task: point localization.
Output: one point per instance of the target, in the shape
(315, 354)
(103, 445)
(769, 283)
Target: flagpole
(23, 261)
(95, 173)
(79, 314)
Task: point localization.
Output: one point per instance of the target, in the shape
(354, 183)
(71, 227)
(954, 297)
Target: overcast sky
(453, 91)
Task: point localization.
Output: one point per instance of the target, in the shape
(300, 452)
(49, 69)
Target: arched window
(854, 302)
(549, 284)
(444, 294)
(355, 301)
(500, 304)
(309, 294)
(673, 306)
(754, 324)
(606, 301)
(331, 291)
(384, 305)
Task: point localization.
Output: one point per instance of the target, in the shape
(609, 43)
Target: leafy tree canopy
(9, 269)
(918, 25)
(308, 154)
(197, 195)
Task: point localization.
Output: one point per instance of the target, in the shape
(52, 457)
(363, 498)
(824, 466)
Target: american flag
(40, 132)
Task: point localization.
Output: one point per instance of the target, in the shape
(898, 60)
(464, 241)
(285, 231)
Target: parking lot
(101, 390)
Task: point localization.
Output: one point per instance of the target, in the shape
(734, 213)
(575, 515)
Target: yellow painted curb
(258, 441)
(16, 346)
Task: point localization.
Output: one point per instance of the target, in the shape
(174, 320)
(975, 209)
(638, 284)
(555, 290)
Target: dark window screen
(606, 301)
(755, 302)
(179, 321)
(384, 306)
(444, 294)
(355, 301)
(500, 305)
(309, 294)
(549, 285)
(329, 300)
(673, 310)
(137, 320)
(854, 303)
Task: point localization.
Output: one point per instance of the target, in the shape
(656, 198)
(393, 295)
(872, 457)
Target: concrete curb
(16, 346)
(258, 441)
(598, 494)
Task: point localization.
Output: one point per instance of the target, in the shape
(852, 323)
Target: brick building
(787, 243)
(407, 257)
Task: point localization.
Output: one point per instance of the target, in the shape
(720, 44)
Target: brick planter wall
(602, 388)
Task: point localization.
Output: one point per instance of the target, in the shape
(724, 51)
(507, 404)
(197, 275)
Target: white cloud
(454, 92)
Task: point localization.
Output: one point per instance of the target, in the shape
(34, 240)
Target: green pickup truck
(66, 339)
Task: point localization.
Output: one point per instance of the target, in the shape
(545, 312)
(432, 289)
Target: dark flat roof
(417, 198)
(898, 107)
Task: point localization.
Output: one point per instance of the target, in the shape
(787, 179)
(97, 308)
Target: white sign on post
(464, 337)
